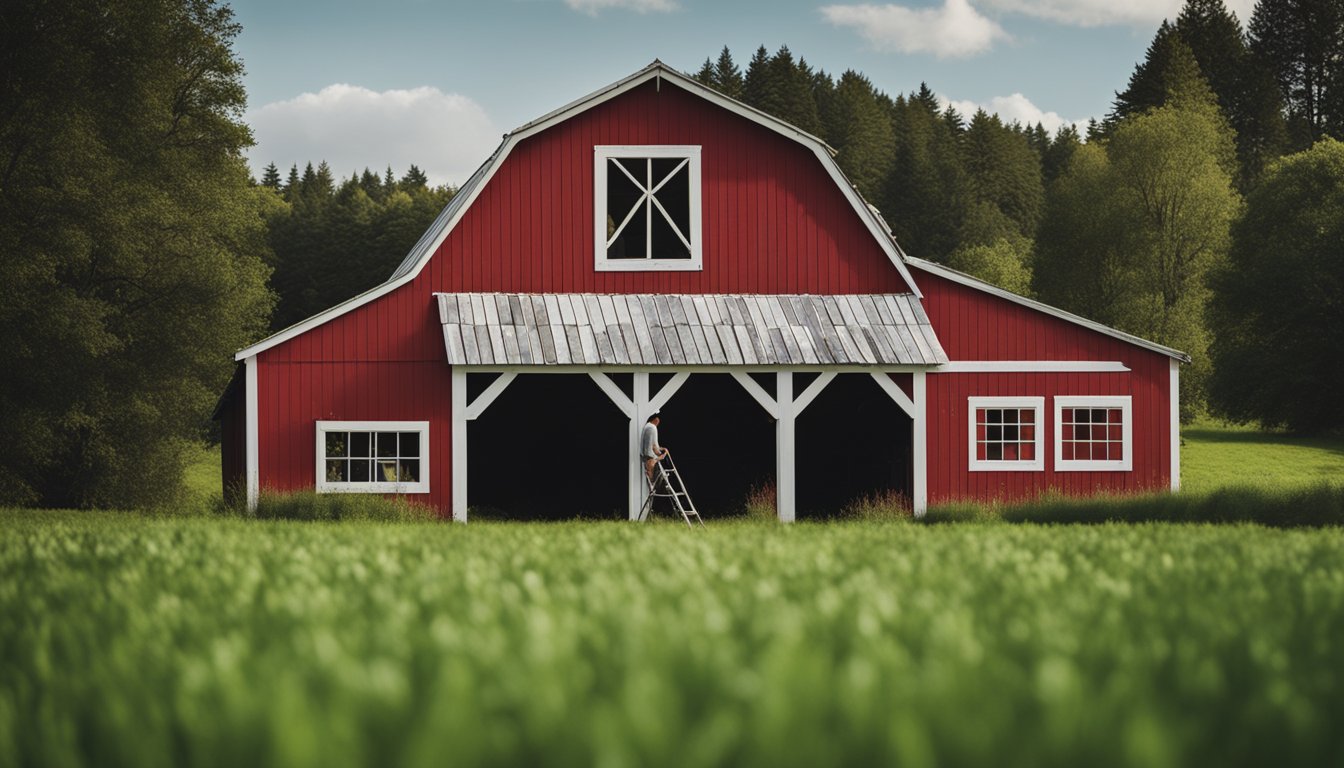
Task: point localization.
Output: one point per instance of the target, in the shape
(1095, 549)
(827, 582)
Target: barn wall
(974, 325)
(295, 395)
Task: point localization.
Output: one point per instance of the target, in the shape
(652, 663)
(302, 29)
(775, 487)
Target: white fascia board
(1033, 366)
(428, 245)
(973, 282)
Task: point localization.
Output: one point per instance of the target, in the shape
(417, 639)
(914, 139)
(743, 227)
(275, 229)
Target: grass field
(141, 641)
(1215, 455)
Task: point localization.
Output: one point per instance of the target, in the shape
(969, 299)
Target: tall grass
(313, 506)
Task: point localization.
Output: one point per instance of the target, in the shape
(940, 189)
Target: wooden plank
(604, 353)
(627, 329)
(908, 341)
(478, 310)
(503, 309)
(758, 331)
(588, 341)
(511, 355)
(846, 311)
(925, 351)
(642, 335)
(786, 331)
(745, 345)
(497, 342)
(833, 311)
(620, 352)
(608, 310)
(567, 315)
(697, 329)
(806, 311)
(870, 310)
(866, 353)
(491, 310)
(448, 311)
(516, 308)
(903, 353)
(847, 345)
(736, 311)
(575, 345)
(470, 351)
(939, 356)
(728, 343)
(884, 311)
(484, 350)
(662, 354)
(781, 349)
(533, 338)
(678, 312)
(689, 352)
(539, 310)
(452, 339)
(702, 310)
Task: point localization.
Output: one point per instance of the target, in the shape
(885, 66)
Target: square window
(387, 444)
(1093, 434)
(336, 444)
(647, 208)
(359, 444)
(1002, 434)
(372, 457)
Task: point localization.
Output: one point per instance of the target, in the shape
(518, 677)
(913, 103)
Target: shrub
(883, 506)
(760, 503)
(310, 505)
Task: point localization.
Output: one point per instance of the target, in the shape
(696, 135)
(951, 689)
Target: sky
(395, 82)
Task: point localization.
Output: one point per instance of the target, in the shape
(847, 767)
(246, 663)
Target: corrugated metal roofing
(663, 329)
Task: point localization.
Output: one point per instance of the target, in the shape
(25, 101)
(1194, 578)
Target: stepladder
(667, 483)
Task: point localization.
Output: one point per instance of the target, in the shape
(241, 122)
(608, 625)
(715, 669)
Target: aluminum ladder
(661, 487)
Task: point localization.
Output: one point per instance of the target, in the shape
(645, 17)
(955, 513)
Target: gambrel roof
(659, 72)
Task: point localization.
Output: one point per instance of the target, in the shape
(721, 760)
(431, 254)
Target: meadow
(144, 639)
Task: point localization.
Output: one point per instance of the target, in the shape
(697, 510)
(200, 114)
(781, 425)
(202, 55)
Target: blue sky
(437, 83)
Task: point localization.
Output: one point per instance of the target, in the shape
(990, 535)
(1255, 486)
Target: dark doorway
(851, 441)
(722, 440)
(550, 447)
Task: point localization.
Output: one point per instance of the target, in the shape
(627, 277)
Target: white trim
(459, 439)
(810, 393)
(252, 477)
(1175, 416)
(669, 389)
(325, 486)
(758, 393)
(972, 282)
(786, 500)
(483, 400)
(688, 152)
(1035, 464)
(691, 369)
(612, 391)
(427, 246)
(1123, 402)
(919, 501)
(896, 393)
(1033, 366)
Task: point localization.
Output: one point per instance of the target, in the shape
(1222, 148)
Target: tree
(727, 76)
(1133, 230)
(1060, 151)
(925, 195)
(414, 178)
(1003, 171)
(1278, 302)
(271, 177)
(131, 241)
(860, 130)
(1300, 42)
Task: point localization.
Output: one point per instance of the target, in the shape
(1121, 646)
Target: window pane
(1028, 451)
(1066, 415)
(1010, 433)
(1028, 433)
(630, 243)
(336, 444)
(1027, 416)
(1010, 416)
(622, 194)
(337, 471)
(387, 444)
(994, 434)
(666, 244)
(675, 195)
(359, 444)
(410, 471)
(980, 451)
(1099, 415)
(994, 452)
(386, 471)
(1010, 452)
(1116, 433)
(359, 471)
(410, 444)
(994, 416)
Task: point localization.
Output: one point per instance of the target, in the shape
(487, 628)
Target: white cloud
(1015, 107)
(951, 30)
(446, 134)
(1097, 13)
(592, 7)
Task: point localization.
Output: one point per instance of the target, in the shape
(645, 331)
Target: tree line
(1206, 212)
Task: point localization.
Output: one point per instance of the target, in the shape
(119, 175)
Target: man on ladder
(660, 478)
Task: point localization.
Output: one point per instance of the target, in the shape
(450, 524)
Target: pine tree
(271, 177)
(1145, 90)
(727, 76)
(1061, 150)
(925, 195)
(389, 181)
(324, 182)
(1004, 173)
(759, 88)
(1301, 42)
(860, 130)
(414, 178)
(705, 76)
(292, 184)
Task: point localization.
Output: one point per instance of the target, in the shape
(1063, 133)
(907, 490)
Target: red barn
(656, 245)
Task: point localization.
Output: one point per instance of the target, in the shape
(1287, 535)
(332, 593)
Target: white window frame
(325, 486)
(603, 153)
(1036, 464)
(1125, 404)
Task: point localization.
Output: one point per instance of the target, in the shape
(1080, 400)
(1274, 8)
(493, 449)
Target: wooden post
(639, 412)
(459, 395)
(252, 472)
(784, 447)
(920, 437)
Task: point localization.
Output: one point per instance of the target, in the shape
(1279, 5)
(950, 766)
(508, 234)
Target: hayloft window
(1006, 434)
(372, 457)
(1093, 434)
(647, 208)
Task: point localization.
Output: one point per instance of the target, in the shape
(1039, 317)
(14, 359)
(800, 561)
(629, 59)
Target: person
(650, 451)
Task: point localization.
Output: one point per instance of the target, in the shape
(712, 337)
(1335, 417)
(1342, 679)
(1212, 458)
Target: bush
(883, 506)
(1315, 506)
(310, 505)
(760, 503)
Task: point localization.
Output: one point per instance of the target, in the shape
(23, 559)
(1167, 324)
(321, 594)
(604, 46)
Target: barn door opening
(853, 441)
(550, 447)
(722, 441)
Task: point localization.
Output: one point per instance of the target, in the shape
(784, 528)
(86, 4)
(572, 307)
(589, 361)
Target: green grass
(1216, 455)
(127, 640)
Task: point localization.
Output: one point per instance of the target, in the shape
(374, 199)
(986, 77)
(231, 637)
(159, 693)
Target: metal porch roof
(667, 329)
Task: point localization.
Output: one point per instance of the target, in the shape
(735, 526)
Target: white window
(1006, 434)
(373, 457)
(647, 206)
(1093, 433)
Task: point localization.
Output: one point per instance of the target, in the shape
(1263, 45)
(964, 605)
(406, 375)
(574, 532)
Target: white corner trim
(689, 152)
(962, 278)
(920, 450)
(1035, 464)
(428, 245)
(1032, 366)
(321, 483)
(1175, 417)
(1123, 402)
(252, 476)
(459, 444)
(483, 400)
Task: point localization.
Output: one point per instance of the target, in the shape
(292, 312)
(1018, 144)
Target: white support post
(784, 447)
(1175, 418)
(483, 401)
(640, 411)
(459, 396)
(252, 471)
(920, 438)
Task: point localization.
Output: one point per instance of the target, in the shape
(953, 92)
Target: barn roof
(424, 249)
(662, 329)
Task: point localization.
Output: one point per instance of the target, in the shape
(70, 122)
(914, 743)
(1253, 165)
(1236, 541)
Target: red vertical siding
(974, 325)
